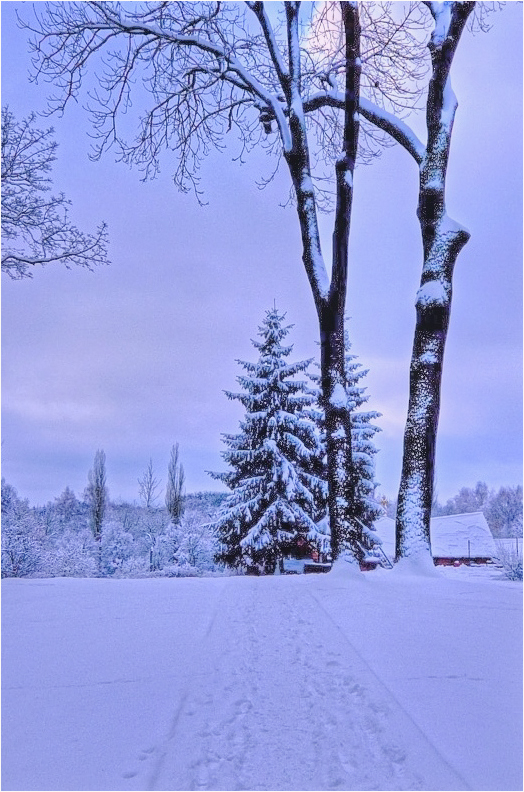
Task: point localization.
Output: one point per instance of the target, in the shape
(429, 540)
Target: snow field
(311, 682)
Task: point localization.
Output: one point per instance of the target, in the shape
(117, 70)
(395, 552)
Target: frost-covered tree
(364, 507)
(148, 486)
(275, 495)
(22, 536)
(443, 238)
(467, 500)
(72, 552)
(504, 512)
(363, 430)
(36, 229)
(97, 496)
(292, 86)
(68, 510)
(188, 548)
(175, 487)
(65, 513)
(118, 553)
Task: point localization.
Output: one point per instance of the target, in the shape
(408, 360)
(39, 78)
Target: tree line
(94, 536)
(278, 501)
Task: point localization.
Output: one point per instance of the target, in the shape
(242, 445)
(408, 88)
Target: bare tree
(504, 512)
(148, 492)
(148, 487)
(442, 238)
(175, 487)
(212, 67)
(97, 496)
(36, 229)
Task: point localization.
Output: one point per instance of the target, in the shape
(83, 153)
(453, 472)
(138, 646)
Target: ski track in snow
(322, 726)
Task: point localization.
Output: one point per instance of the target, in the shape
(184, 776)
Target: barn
(455, 539)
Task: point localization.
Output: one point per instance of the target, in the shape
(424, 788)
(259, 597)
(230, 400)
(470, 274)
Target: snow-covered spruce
(364, 508)
(277, 494)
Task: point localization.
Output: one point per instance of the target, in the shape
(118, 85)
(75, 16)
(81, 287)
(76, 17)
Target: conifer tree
(276, 496)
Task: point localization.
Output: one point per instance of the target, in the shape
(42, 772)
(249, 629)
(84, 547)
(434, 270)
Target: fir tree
(364, 508)
(276, 495)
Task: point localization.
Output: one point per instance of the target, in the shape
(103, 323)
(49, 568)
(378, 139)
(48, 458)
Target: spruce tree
(276, 495)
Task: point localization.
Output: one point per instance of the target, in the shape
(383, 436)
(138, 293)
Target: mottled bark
(330, 299)
(442, 241)
(341, 485)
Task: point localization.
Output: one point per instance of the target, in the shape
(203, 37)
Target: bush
(510, 556)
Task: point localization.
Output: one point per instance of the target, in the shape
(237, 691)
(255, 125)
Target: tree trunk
(442, 240)
(341, 489)
(330, 298)
(433, 311)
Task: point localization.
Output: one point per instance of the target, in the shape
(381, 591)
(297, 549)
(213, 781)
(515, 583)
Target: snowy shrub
(187, 548)
(134, 566)
(511, 559)
(181, 570)
(21, 552)
(71, 554)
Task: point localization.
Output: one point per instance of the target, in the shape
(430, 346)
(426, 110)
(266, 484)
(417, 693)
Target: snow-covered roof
(449, 536)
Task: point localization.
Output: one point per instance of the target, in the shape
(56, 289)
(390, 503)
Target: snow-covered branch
(36, 229)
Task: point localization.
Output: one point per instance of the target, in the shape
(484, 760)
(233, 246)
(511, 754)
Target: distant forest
(57, 539)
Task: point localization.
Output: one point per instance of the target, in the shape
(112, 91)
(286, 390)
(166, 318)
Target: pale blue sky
(135, 356)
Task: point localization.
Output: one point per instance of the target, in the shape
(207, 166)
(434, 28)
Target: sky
(135, 356)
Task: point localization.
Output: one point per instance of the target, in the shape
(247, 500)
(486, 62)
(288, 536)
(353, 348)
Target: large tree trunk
(330, 297)
(341, 493)
(442, 240)
(433, 312)
(341, 489)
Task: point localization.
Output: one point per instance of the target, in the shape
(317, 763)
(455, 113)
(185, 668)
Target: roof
(449, 536)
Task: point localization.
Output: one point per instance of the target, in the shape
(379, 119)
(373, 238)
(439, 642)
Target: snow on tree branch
(36, 229)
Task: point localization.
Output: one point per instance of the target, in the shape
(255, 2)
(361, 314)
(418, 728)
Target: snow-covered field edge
(380, 681)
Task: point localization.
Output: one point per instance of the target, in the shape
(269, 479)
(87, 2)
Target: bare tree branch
(36, 229)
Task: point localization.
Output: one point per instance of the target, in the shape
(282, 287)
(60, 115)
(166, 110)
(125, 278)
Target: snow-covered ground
(280, 683)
